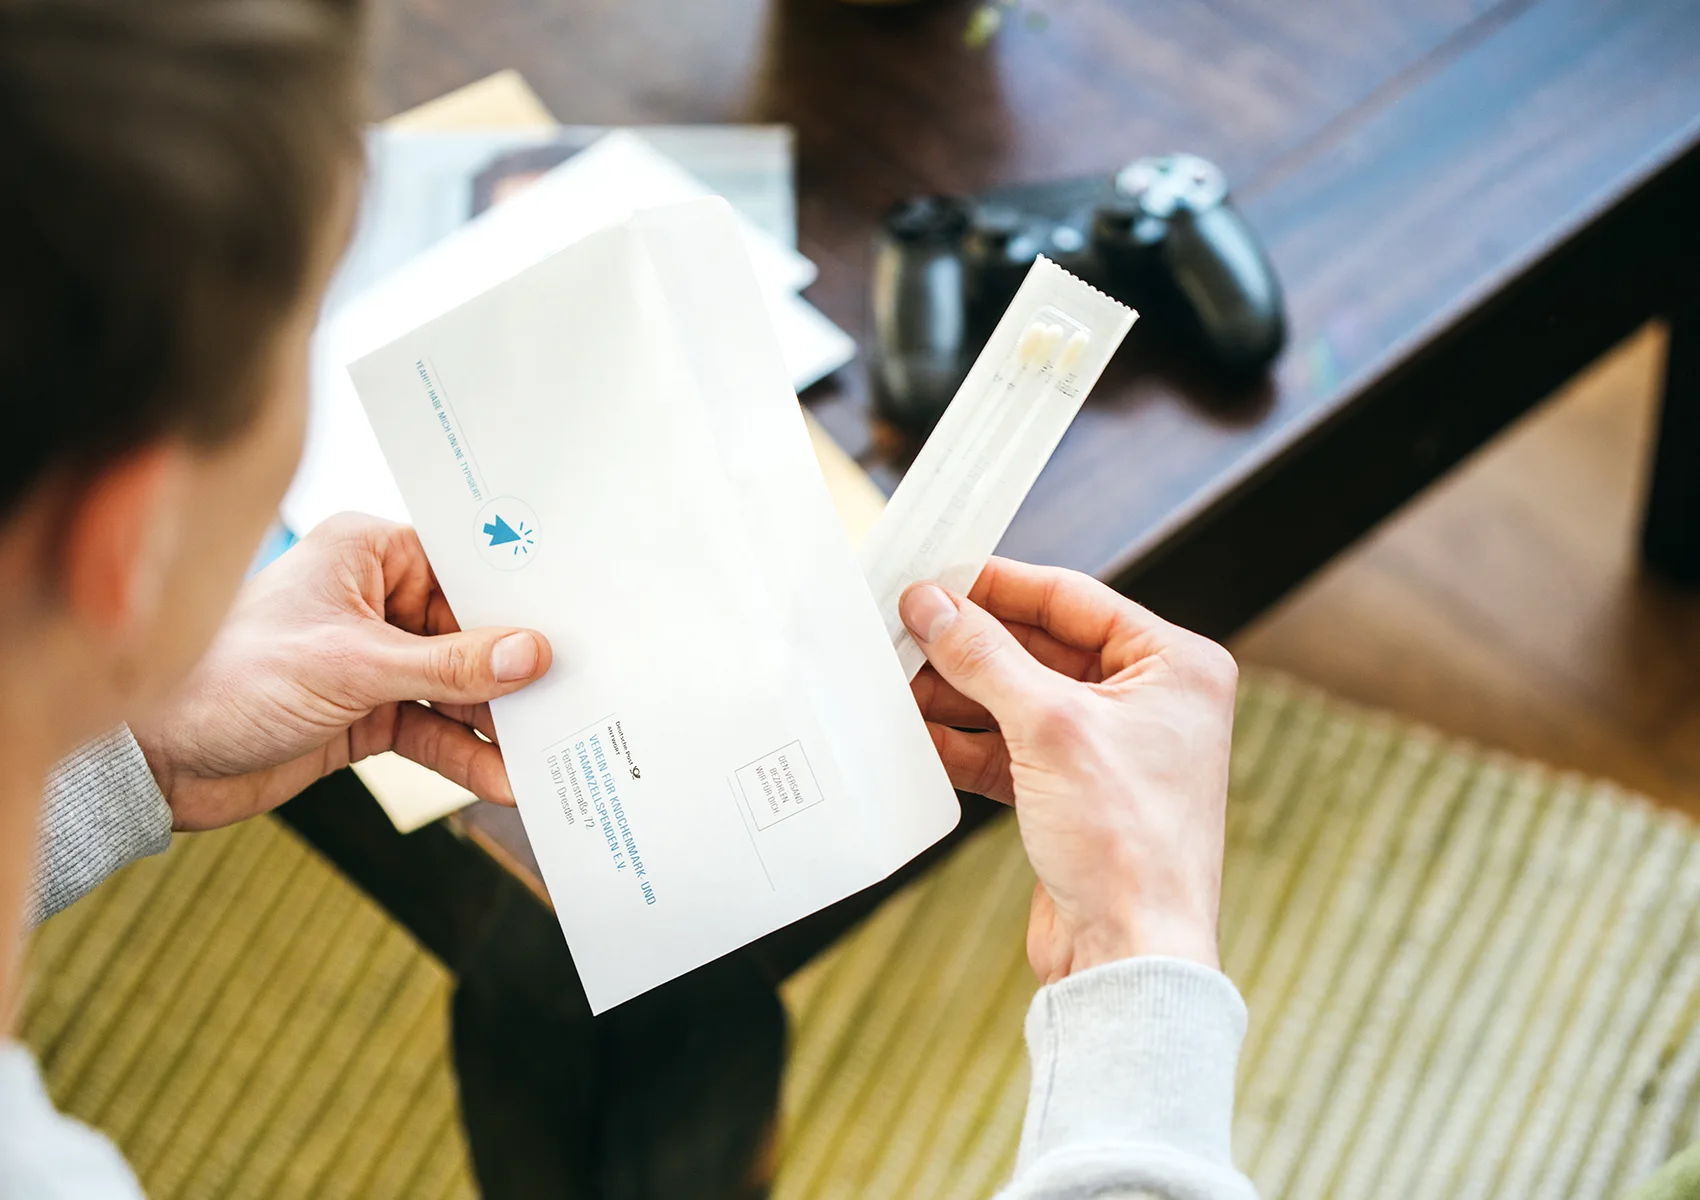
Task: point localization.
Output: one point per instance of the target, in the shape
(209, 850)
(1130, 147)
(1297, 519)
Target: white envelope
(341, 467)
(606, 447)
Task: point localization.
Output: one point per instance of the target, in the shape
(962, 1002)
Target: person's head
(179, 179)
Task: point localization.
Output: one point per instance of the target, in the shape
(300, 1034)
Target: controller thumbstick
(927, 220)
(1138, 176)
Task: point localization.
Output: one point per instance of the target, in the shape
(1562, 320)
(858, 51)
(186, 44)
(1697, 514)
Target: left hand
(1109, 729)
(321, 663)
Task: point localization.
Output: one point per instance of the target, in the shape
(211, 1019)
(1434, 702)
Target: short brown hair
(171, 168)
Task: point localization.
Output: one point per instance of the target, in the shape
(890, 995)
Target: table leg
(1670, 538)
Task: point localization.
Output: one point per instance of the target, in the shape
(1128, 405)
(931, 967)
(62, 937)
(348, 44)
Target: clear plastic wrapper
(961, 493)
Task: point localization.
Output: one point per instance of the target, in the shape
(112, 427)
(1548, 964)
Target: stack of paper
(423, 184)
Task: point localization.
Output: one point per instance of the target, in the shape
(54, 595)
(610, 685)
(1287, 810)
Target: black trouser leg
(525, 1054)
(671, 1094)
(691, 1075)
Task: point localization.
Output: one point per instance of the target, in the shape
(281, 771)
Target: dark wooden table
(1467, 201)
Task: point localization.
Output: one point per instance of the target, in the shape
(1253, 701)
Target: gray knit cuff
(1139, 1053)
(101, 811)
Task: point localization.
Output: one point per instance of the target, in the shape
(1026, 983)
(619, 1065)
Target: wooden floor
(1506, 604)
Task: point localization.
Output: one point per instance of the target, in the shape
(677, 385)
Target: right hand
(1109, 730)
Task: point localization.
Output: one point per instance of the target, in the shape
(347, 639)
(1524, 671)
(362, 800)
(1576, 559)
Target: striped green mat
(245, 1023)
(1467, 977)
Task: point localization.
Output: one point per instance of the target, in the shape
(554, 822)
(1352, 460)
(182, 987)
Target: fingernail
(927, 611)
(514, 657)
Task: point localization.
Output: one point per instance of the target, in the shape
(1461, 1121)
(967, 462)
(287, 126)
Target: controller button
(927, 219)
(1023, 248)
(1148, 231)
(1199, 184)
(1066, 239)
(1136, 177)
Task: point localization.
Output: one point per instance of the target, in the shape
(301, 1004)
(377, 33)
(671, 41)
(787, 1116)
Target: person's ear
(122, 532)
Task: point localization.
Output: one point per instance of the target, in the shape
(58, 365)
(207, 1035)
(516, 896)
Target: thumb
(972, 651)
(469, 667)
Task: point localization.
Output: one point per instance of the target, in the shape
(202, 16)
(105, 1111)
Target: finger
(973, 652)
(1075, 608)
(452, 751)
(940, 702)
(409, 584)
(1064, 659)
(382, 560)
(454, 668)
(975, 762)
(412, 599)
(439, 617)
(477, 716)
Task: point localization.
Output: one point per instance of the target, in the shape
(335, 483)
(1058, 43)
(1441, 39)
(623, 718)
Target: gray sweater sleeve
(102, 810)
(1133, 1085)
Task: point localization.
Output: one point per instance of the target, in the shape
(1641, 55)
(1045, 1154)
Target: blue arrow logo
(505, 533)
(501, 532)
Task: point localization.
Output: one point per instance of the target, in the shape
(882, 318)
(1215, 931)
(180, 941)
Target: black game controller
(1159, 234)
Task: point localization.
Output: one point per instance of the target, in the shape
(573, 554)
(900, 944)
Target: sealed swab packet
(963, 489)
